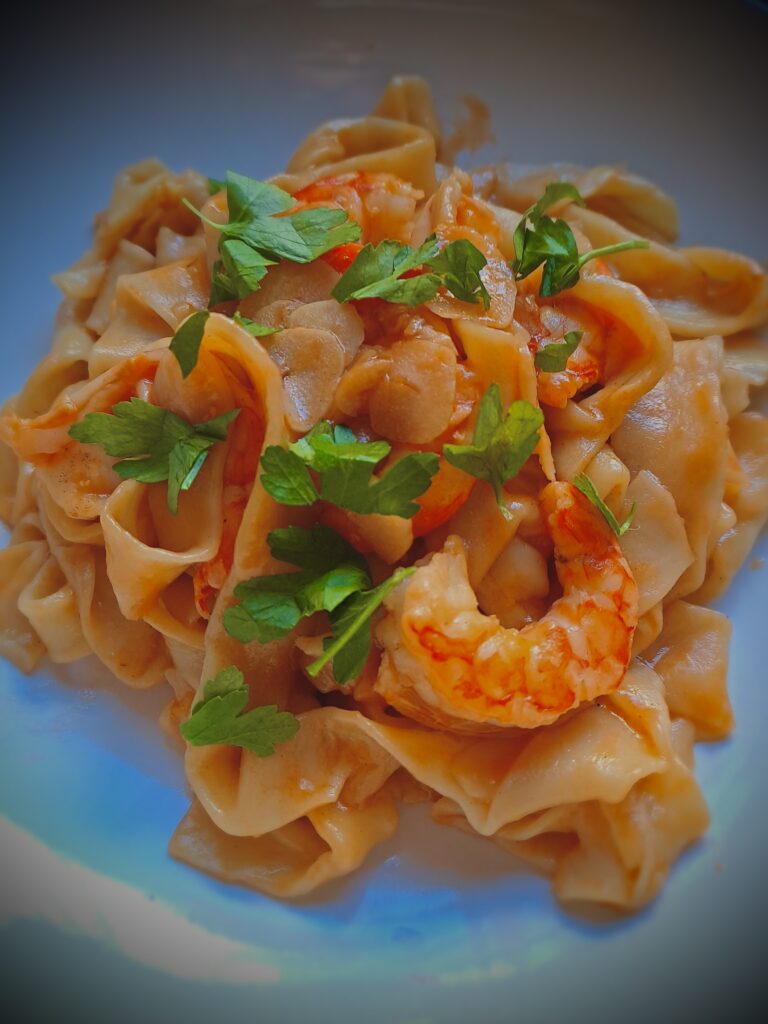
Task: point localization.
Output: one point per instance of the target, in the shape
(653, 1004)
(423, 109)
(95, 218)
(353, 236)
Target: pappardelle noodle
(413, 484)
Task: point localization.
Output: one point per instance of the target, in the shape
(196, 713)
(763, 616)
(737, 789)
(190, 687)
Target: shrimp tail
(450, 666)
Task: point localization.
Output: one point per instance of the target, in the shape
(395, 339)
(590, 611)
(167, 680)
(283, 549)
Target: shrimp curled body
(448, 665)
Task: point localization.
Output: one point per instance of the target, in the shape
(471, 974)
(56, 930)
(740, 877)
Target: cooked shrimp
(448, 665)
(40, 437)
(451, 487)
(453, 213)
(550, 322)
(606, 341)
(382, 204)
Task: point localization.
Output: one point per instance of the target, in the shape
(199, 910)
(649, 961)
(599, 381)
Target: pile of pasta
(603, 798)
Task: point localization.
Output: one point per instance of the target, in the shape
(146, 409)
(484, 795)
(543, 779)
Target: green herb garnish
(377, 273)
(256, 330)
(344, 466)
(242, 267)
(186, 342)
(220, 717)
(269, 607)
(350, 643)
(333, 578)
(583, 483)
(501, 443)
(255, 238)
(554, 357)
(541, 239)
(154, 444)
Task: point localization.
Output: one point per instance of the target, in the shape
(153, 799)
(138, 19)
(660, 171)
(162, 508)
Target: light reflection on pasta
(406, 494)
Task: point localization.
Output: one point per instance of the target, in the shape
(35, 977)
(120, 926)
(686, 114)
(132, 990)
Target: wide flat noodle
(656, 546)
(408, 99)
(691, 658)
(49, 603)
(634, 203)
(685, 444)
(133, 651)
(148, 306)
(79, 478)
(745, 508)
(600, 755)
(19, 564)
(366, 144)
(581, 429)
(698, 291)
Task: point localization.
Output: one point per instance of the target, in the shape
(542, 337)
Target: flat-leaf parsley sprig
(332, 578)
(153, 444)
(344, 467)
(553, 357)
(541, 239)
(501, 442)
(584, 484)
(186, 342)
(220, 717)
(261, 231)
(387, 271)
(350, 642)
(330, 570)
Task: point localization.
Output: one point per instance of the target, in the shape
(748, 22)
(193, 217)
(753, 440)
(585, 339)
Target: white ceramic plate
(100, 924)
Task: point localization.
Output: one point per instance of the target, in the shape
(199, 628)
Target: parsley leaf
(541, 239)
(220, 717)
(260, 232)
(254, 329)
(321, 229)
(248, 198)
(185, 343)
(215, 185)
(583, 483)
(459, 265)
(301, 236)
(243, 266)
(286, 478)
(269, 607)
(537, 236)
(345, 468)
(501, 444)
(316, 550)
(222, 289)
(350, 642)
(377, 273)
(564, 273)
(332, 577)
(554, 357)
(154, 444)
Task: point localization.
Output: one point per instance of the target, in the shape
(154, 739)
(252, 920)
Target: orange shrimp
(382, 204)
(37, 439)
(451, 487)
(449, 491)
(80, 476)
(448, 665)
(549, 322)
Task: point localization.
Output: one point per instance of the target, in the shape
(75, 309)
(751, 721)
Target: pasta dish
(413, 484)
